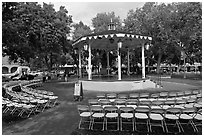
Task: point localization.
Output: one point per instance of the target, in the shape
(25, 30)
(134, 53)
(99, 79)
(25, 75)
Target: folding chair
(156, 118)
(126, 116)
(172, 118)
(172, 95)
(85, 115)
(98, 116)
(101, 96)
(154, 96)
(197, 120)
(120, 103)
(141, 116)
(132, 103)
(93, 102)
(156, 104)
(122, 96)
(111, 116)
(163, 95)
(134, 95)
(111, 96)
(105, 102)
(144, 95)
(186, 117)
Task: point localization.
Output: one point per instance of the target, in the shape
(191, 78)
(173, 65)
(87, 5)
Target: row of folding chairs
(164, 104)
(156, 95)
(20, 109)
(29, 99)
(135, 117)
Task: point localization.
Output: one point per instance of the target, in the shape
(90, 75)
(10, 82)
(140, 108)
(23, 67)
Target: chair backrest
(172, 94)
(134, 95)
(132, 102)
(142, 109)
(120, 102)
(157, 111)
(122, 96)
(93, 102)
(98, 109)
(126, 109)
(163, 94)
(83, 108)
(111, 95)
(145, 102)
(157, 102)
(154, 95)
(110, 109)
(173, 111)
(101, 95)
(191, 110)
(104, 102)
(144, 95)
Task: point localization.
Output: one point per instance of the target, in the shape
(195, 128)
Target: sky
(86, 11)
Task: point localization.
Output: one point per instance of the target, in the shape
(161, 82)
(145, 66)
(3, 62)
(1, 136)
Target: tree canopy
(35, 31)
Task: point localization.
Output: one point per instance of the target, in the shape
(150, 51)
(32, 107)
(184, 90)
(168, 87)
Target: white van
(14, 71)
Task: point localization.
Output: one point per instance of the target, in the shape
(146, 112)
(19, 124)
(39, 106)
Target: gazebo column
(143, 62)
(80, 74)
(128, 57)
(89, 64)
(119, 60)
(108, 64)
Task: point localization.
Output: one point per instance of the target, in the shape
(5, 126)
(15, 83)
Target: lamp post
(183, 56)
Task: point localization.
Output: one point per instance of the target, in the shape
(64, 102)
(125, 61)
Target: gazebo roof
(108, 40)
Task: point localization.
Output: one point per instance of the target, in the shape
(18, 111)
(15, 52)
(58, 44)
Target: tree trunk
(159, 62)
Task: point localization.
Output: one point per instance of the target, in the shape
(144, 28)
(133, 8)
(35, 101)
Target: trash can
(78, 91)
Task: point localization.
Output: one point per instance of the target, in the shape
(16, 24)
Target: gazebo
(112, 40)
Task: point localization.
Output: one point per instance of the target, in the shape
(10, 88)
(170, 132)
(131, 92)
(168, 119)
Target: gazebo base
(117, 86)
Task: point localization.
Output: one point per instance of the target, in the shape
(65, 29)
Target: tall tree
(37, 31)
(80, 29)
(102, 20)
(169, 25)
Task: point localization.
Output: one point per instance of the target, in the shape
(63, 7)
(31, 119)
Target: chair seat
(111, 115)
(85, 114)
(53, 97)
(98, 115)
(126, 115)
(170, 116)
(42, 101)
(197, 105)
(119, 106)
(185, 116)
(179, 106)
(156, 107)
(166, 106)
(156, 117)
(189, 105)
(133, 106)
(198, 117)
(141, 116)
(28, 106)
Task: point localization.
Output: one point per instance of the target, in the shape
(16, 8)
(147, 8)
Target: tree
(168, 25)
(37, 31)
(102, 20)
(80, 29)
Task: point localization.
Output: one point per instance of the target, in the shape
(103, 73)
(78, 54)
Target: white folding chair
(111, 116)
(126, 116)
(85, 115)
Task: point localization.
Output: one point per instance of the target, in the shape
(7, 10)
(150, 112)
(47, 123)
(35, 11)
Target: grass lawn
(63, 119)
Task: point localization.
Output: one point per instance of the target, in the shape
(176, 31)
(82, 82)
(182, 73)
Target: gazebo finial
(111, 26)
